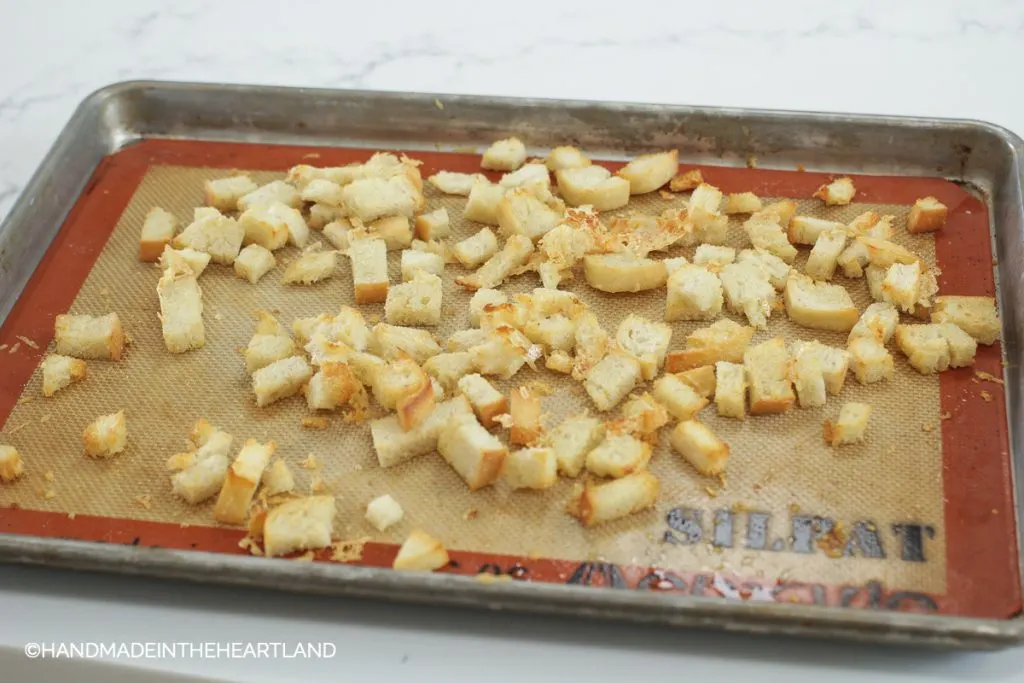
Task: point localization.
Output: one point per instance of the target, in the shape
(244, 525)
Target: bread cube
(731, 390)
(693, 293)
(296, 525)
(388, 340)
(384, 512)
(323, 192)
(572, 440)
(902, 285)
(432, 226)
(530, 468)
(223, 193)
(60, 372)
(878, 321)
(454, 183)
(278, 479)
(883, 253)
(369, 259)
(396, 380)
(837, 193)
(818, 370)
(686, 181)
(748, 292)
(700, 447)
(520, 212)
(420, 552)
(870, 360)
(646, 340)
(416, 302)
(648, 172)
(487, 402)
(158, 229)
(527, 175)
(106, 436)
(566, 157)
(217, 235)
(89, 337)
(824, 257)
(331, 387)
(243, 477)
(449, 368)
(819, 305)
(594, 503)
(925, 346)
(339, 233)
(851, 425)
(201, 480)
(742, 202)
(594, 186)
(254, 262)
(395, 445)
(975, 315)
(525, 409)
(768, 369)
(371, 198)
(681, 400)
(504, 155)
(503, 353)
(591, 344)
(806, 229)
(623, 272)
(766, 234)
(280, 379)
(775, 269)
(11, 466)
(701, 380)
(181, 310)
(554, 332)
(475, 454)
(927, 215)
(559, 361)
(618, 456)
(642, 416)
(783, 211)
(481, 298)
(513, 255)
(267, 225)
(181, 258)
(274, 191)
(347, 326)
(713, 256)
(396, 231)
(473, 251)
(612, 378)
(321, 215)
(482, 204)
(722, 340)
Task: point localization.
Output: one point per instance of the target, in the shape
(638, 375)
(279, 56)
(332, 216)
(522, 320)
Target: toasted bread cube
(323, 192)
(201, 480)
(223, 193)
(767, 234)
(89, 337)
(11, 466)
(303, 524)
(254, 262)
(713, 256)
(818, 370)
(883, 253)
(454, 183)
(371, 198)
(417, 302)
(530, 468)
(594, 186)
(925, 346)
(275, 191)
(775, 269)
(396, 380)
(449, 368)
(157, 231)
(597, 503)
(483, 201)
(414, 408)
(875, 276)
(516, 252)
(487, 402)
(749, 292)
(572, 440)
(388, 340)
(243, 477)
(106, 436)
(61, 371)
(178, 258)
(975, 315)
(181, 310)
(768, 368)
(210, 232)
(520, 212)
(837, 193)
(819, 305)
(339, 233)
(701, 379)
(529, 174)
(504, 155)
(525, 409)
(267, 225)
(551, 301)
(473, 251)
(927, 215)
(901, 286)
(688, 180)
(878, 321)
(348, 326)
(703, 221)
(503, 353)
(369, 270)
(432, 226)
(396, 231)
(642, 416)
(821, 264)
(619, 455)
(554, 332)
(675, 263)
(962, 346)
(591, 344)
(612, 379)
(700, 447)
(321, 215)
(566, 157)
(681, 400)
(384, 512)
(280, 379)
(482, 298)
(395, 445)
(559, 361)
(742, 202)
(420, 552)
(332, 386)
(623, 272)
(851, 425)
(731, 390)
(646, 340)
(513, 314)
(870, 360)
(475, 454)
(278, 479)
(693, 293)
(413, 261)
(648, 172)
(807, 230)
(723, 340)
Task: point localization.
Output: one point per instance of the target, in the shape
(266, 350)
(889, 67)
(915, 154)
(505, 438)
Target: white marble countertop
(922, 57)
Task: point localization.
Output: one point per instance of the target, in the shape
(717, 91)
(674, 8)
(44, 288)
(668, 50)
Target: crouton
(817, 370)
(530, 468)
(837, 193)
(572, 440)
(432, 226)
(594, 503)
(395, 445)
(688, 180)
(475, 454)
(591, 344)
(520, 212)
(11, 465)
(703, 221)
(181, 310)
(700, 447)
(504, 155)
(675, 263)
(396, 231)
(559, 361)
(678, 397)
(217, 235)
(280, 379)
(413, 261)
(878, 321)
(449, 368)
(554, 332)
(158, 229)
(821, 264)
(693, 293)
(783, 210)
(486, 401)
(851, 425)
(856, 255)
(371, 198)
(975, 315)
(275, 191)
(483, 201)
(415, 407)
(775, 269)
(178, 258)
(473, 251)
(883, 253)
(331, 387)
(901, 285)
(551, 301)
(454, 183)
(731, 390)
(106, 436)
(339, 233)
(60, 372)
(321, 215)
(503, 353)
(223, 193)
(201, 480)
(499, 266)
(347, 326)
(936, 347)
(388, 340)
(396, 380)
(243, 477)
(482, 298)
(369, 270)
(612, 378)
(594, 186)
(254, 262)
(767, 234)
(623, 272)
(529, 174)
(268, 225)
(701, 379)
(646, 340)
(420, 552)
(566, 157)
(322, 191)
(927, 215)
(89, 337)
(723, 340)
(768, 369)
(618, 455)
(749, 292)
(416, 302)
(303, 524)
(525, 410)
(563, 247)
(648, 172)
(278, 479)
(713, 256)
(819, 305)
(642, 416)
(384, 512)
(870, 360)
(742, 202)
(807, 230)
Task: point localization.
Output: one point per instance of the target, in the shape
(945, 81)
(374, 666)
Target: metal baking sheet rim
(102, 124)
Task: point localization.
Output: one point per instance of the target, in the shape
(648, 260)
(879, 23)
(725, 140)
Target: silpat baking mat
(919, 517)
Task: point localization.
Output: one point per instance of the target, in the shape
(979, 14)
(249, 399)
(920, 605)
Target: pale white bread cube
(274, 191)
(594, 503)
(348, 326)
(875, 276)
(513, 255)
(686, 181)
(178, 258)
(331, 387)
(223, 193)
(302, 524)
(703, 219)
(566, 157)
(322, 191)
(675, 263)
(243, 476)
(824, 257)
(767, 234)
(619, 455)
(693, 293)
(387, 165)
(975, 315)
(817, 371)
(713, 255)
(482, 298)
(901, 286)
(837, 193)
(722, 340)
(106, 436)
(926, 294)
(775, 269)
(544, 301)
(505, 350)
(646, 340)
(414, 261)
(883, 253)
(591, 344)
(870, 361)
(553, 332)
(201, 480)
(856, 256)
(742, 202)
(935, 347)
(371, 198)
(474, 250)
(384, 512)
(559, 361)
(267, 225)
(449, 368)
(455, 183)
(700, 447)
(731, 390)
(203, 433)
(572, 440)
(819, 305)
(748, 292)
(158, 229)
(280, 379)
(369, 259)
(254, 262)
(181, 310)
(60, 372)
(529, 174)
(927, 215)
(783, 210)
(266, 323)
(432, 226)
(387, 341)
(396, 380)
(678, 397)
(416, 302)
(504, 155)
(623, 272)
(486, 401)
(594, 186)
(878, 321)
(395, 445)
(302, 175)
(612, 378)
(396, 231)
(89, 337)
(339, 233)
(212, 233)
(768, 371)
(420, 552)
(871, 223)
(321, 215)
(474, 453)
(520, 212)
(278, 479)
(850, 426)
(648, 172)
(701, 379)
(642, 416)
(525, 411)
(482, 203)
(11, 465)
(807, 229)
(530, 468)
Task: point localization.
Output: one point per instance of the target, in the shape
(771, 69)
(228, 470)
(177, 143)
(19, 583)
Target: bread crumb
(310, 463)
(247, 543)
(800, 168)
(19, 428)
(315, 422)
(987, 376)
(14, 349)
(317, 485)
(946, 415)
(184, 525)
(927, 427)
(144, 500)
(26, 399)
(833, 543)
(739, 507)
(751, 161)
(539, 387)
(105, 292)
(45, 418)
(305, 557)
(471, 513)
(28, 342)
(438, 103)
(358, 407)
(71, 515)
(995, 512)
(218, 316)
(48, 475)
(794, 508)
(665, 194)
(985, 396)
(3, 346)
(374, 318)
(348, 551)
(487, 577)
(711, 491)
(50, 494)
